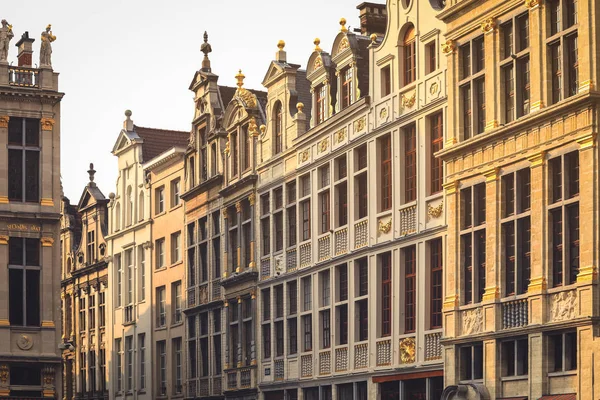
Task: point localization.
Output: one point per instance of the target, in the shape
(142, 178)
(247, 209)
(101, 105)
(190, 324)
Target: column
(252, 202)
(253, 338)
(240, 331)
(225, 258)
(4, 161)
(3, 271)
(227, 335)
(491, 368)
(4, 383)
(46, 162)
(536, 41)
(492, 201)
(537, 365)
(491, 50)
(46, 284)
(238, 209)
(588, 360)
(452, 121)
(586, 45)
(451, 272)
(537, 283)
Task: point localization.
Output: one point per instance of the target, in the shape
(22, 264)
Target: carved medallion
(433, 89)
(360, 124)
(340, 135)
(47, 124)
(488, 25)
(304, 156)
(472, 321)
(407, 350)
(563, 306)
(323, 145)
(344, 44)
(383, 114)
(408, 99)
(318, 63)
(25, 342)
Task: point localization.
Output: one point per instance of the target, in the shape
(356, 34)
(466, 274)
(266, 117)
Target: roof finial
(91, 172)
(317, 42)
(280, 56)
(128, 123)
(240, 79)
(206, 48)
(343, 24)
(280, 45)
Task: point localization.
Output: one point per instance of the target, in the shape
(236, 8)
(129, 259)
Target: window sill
(176, 324)
(161, 328)
(160, 269)
(514, 378)
(160, 214)
(175, 207)
(176, 263)
(559, 374)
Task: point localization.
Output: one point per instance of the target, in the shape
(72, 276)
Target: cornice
(202, 187)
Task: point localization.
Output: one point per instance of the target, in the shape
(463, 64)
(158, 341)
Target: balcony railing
(341, 359)
(433, 348)
(232, 380)
(305, 255)
(128, 311)
(291, 260)
(306, 366)
(341, 241)
(408, 220)
(22, 76)
(245, 378)
(191, 297)
(204, 389)
(216, 289)
(384, 352)
(515, 314)
(325, 363)
(265, 268)
(361, 234)
(192, 386)
(217, 386)
(279, 370)
(361, 355)
(324, 247)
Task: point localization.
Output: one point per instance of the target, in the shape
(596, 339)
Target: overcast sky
(142, 55)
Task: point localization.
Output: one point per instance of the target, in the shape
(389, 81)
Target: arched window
(278, 128)
(141, 207)
(129, 207)
(410, 56)
(117, 217)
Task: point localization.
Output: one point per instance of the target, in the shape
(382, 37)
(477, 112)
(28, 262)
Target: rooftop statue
(46, 47)
(6, 34)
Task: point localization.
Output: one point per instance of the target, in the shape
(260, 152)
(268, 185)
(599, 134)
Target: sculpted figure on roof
(46, 47)
(6, 34)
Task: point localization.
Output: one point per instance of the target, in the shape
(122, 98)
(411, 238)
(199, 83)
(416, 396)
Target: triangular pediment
(122, 142)
(273, 72)
(86, 200)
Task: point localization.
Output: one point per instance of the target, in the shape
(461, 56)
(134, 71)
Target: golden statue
(46, 47)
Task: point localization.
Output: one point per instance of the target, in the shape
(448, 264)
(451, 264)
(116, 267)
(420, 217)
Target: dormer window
(320, 94)
(234, 153)
(247, 148)
(410, 55)
(278, 125)
(347, 86)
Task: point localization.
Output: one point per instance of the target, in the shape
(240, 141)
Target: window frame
(471, 87)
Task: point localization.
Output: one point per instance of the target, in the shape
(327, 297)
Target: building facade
(521, 301)
(30, 205)
(132, 366)
(84, 288)
(352, 222)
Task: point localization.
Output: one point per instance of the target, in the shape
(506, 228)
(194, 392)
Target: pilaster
(238, 208)
(226, 268)
(536, 43)
(491, 49)
(450, 307)
(252, 202)
(3, 276)
(47, 281)
(586, 48)
(492, 201)
(587, 209)
(227, 334)
(4, 160)
(240, 329)
(46, 162)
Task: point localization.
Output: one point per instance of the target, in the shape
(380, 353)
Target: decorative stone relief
(435, 212)
(4, 121)
(409, 99)
(472, 321)
(304, 156)
(4, 374)
(47, 124)
(385, 227)
(24, 342)
(344, 44)
(323, 145)
(407, 350)
(532, 3)
(562, 306)
(340, 135)
(488, 25)
(383, 114)
(360, 124)
(448, 47)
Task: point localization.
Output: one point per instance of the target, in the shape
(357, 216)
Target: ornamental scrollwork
(435, 212)
(407, 350)
(488, 25)
(385, 228)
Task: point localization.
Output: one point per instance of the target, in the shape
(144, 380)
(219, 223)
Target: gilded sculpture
(46, 47)
(407, 350)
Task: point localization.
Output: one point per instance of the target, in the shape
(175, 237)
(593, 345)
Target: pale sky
(142, 55)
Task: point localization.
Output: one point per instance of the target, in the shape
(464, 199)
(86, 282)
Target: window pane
(15, 175)
(15, 131)
(15, 251)
(32, 176)
(32, 252)
(32, 132)
(16, 296)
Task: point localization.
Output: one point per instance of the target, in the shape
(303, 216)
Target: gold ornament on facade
(435, 212)
(317, 42)
(47, 124)
(318, 63)
(343, 25)
(4, 374)
(3, 239)
(280, 45)
(433, 89)
(383, 113)
(344, 44)
(373, 37)
(252, 198)
(224, 212)
(407, 350)
(253, 294)
(304, 156)
(4, 121)
(360, 124)
(300, 107)
(448, 47)
(385, 228)
(253, 127)
(341, 135)
(323, 145)
(47, 242)
(488, 25)
(263, 129)
(238, 206)
(227, 151)
(408, 100)
(533, 3)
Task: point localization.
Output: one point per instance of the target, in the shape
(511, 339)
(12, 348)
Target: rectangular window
(363, 319)
(515, 67)
(436, 138)
(515, 355)
(161, 307)
(129, 363)
(159, 194)
(175, 247)
(177, 302)
(363, 276)
(292, 226)
(266, 332)
(307, 292)
(82, 314)
(266, 304)
(24, 282)
(563, 49)
(473, 242)
(386, 81)
(307, 323)
(325, 318)
(320, 101)
(119, 366)
(342, 316)
(278, 218)
(562, 349)
(385, 148)
(142, 359)
(305, 207)
(83, 373)
(324, 202)
(436, 282)
(142, 267)
(279, 337)
(119, 268)
(342, 204)
(385, 265)
(278, 301)
(471, 362)
(160, 253)
(410, 288)
(410, 163)
(292, 327)
(175, 191)
(324, 278)
(266, 235)
(347, 86)
(90, 254)
(102, 309)
(472, 87)
(234, 153)
(431, 57)
(342, 272)
(92, 311)
(362, 205)
(177, 362)
(161, 352)
(23, 159)
(292, 294)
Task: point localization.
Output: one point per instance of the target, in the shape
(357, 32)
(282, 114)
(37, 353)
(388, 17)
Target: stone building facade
(84, 291)
(30, 205)
(521, 290)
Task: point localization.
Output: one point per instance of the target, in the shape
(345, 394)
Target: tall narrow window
(177, 302)
(515, 355)
(431, 57)
(175, 247)
(119, 365)
(305, 209)
(247, 138)
(385, 265)
(325, 211)
(385, 148)
(436, 137)
(410, 288)
(472, 87)
(91, 247)
(233, 148)
(563, 352)
(178, 366)
(142, 359)
(515, 67)
(24, 282)
(386, 81)
(203, 158)
(473, 242)
(160, 253)
(410, 163)
(471, 362)
(564, 218)
(159, 195)
(563, 49)
(410, 56)
(347, 86)
(161, 350)
(320, 100)
(23, 160)
(325, 318)
(436, 279)
(161, 306)
(129, 363)
(175, 189)
(278, 125)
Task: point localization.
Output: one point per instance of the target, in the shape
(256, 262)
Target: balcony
(305, 255)
(306, 366)
(433, 348)
(408, 220)
(340, 239)
(324, 247)
(291, 260)
(23, 77)
(279, 370)
(265, 268)
(361, 355)
(341, 359)
(384, 352)
(241, 378)
(515, 314)
(361, 233)
(204, 387)
(325, 363)
(191, 297)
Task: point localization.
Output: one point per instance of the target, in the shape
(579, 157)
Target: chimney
(373, 18)
(25, 50)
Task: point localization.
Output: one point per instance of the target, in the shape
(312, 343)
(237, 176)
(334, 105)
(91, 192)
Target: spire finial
(240, 79)
(317, 42)
(343, 24)
(280, 45)
(128, 123)
(91, 172)
(206, 48)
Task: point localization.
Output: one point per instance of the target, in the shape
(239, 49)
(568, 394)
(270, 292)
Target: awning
(569, 396)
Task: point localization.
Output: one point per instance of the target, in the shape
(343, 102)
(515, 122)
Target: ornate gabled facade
(351, 235)
(521, 300)
(30, 205)
(84, 289)
(134, 363)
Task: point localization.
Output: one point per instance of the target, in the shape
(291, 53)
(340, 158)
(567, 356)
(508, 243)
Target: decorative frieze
(563, 306)
(472, 321)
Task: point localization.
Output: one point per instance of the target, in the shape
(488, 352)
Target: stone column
(3, 275)
(252, 201)
(227, 335)
(240, 330)
(537, 283)
(537, 366)
(491, 363)
(537, 24)
(491, 50)
(48, 377)
(64, 310)
(253, 338)
(586, 46)
(46, 162)
(4, 161)
(588, 362)
(226, 230)
(46, 280)
(492, 232)
(238, 209)
(452, 120)
(451, 270)
(587, 215)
